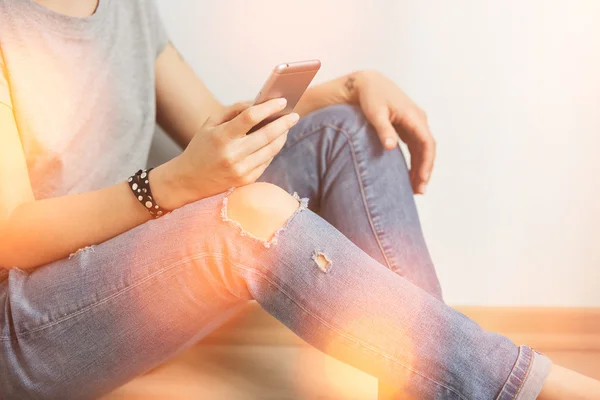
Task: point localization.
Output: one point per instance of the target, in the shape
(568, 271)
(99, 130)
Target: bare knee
(261, 208)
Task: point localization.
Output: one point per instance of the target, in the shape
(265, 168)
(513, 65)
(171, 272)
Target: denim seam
(359, 179)
(364, 198)
(345, 335)
(104, 300)
(525, 376)
(505, 388)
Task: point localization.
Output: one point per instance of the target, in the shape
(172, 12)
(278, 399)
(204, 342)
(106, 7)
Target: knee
(348, 117)
(348, 123)
(261, 208)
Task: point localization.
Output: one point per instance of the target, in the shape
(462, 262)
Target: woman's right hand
(222, 155)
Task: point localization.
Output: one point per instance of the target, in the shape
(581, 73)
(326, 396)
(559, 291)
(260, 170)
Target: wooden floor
(251, 372)
(255, 357)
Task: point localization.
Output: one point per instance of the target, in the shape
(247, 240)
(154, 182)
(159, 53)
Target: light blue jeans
(365, 293)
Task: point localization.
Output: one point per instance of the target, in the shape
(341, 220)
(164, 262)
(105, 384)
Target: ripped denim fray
(303, 205)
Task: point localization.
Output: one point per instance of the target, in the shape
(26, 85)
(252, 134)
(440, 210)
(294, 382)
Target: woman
(103, 282)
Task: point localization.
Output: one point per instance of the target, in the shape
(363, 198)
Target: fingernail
(423, 188)
(294, 117)
(281, 101)
(389, 143)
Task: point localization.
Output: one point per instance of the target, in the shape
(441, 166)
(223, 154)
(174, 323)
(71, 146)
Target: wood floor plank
(251, 373)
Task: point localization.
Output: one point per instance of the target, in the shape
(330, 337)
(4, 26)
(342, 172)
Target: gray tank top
(81, 90)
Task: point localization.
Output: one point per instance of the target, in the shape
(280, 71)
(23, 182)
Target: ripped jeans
(351, 276)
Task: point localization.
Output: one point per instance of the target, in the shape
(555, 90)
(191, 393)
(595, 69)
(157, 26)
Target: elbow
(6, 258)
(11, 252)
(16, 242)
(5, 261)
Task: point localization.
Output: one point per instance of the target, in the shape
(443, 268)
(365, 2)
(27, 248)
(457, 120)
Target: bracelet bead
(139, 183)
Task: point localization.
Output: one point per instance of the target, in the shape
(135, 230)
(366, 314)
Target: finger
(265, 153)
(228, 113)
(258, 171)
(385, 130)
(268, 133)
(421, 163)
(253, 115)
(414, 130)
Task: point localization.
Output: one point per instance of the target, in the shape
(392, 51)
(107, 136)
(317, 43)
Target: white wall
(512, 89)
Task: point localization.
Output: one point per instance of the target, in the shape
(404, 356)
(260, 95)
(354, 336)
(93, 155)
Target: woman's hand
(394, 114)
(222, 155)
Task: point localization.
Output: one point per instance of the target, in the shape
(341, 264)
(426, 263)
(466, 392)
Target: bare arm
(337, 91)
(36, 232)
(59, 226)
(183, 101)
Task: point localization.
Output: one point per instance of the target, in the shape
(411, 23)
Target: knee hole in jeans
(261, 210)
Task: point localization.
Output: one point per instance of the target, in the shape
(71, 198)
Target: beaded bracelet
(140, 186)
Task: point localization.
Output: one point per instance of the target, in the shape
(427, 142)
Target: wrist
(170, 185)
(342, 90)
(354, 83)
(351, 87)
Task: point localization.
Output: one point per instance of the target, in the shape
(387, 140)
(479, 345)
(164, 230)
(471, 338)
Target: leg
(435, 372)
(78, 328)
(248, 211)
(335, 157)
(563, 383)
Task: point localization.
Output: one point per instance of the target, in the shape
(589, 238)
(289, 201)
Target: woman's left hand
(394, 114)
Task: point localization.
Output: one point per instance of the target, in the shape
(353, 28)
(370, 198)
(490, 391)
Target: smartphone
(289, 80)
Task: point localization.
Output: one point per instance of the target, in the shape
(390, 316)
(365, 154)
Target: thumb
(386, 132)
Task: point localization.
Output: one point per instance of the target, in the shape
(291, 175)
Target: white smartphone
(289, 80)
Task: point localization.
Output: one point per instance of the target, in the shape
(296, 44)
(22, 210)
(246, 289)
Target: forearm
(184, 103)
(337, 91)
(39, 232)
